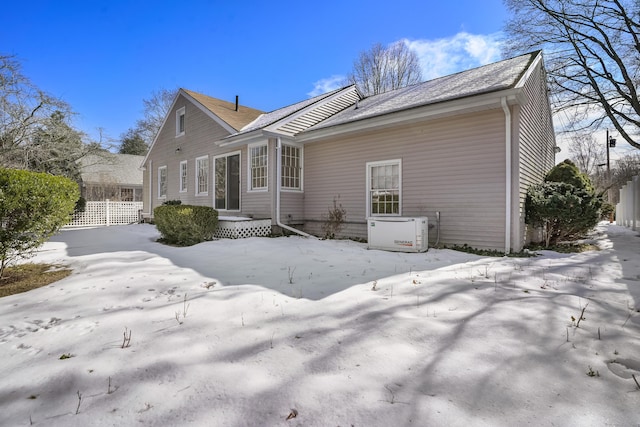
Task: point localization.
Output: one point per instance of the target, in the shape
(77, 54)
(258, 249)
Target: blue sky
(105, 57)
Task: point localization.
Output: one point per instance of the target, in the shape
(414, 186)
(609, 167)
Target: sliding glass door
(227, 182)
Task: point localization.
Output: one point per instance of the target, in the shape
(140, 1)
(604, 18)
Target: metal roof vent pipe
(236, 102)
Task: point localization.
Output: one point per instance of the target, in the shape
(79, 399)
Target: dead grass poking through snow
(25, 277)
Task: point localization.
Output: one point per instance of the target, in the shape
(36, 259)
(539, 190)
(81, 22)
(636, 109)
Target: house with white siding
(466, 146)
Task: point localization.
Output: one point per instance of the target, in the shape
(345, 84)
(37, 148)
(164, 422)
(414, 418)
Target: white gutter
(507, 220)
(279, 188)
(150, 171)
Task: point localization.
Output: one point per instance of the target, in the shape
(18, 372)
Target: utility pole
(611, 142)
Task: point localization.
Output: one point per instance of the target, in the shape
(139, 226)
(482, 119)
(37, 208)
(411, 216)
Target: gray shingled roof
(489, 78)
(281, 113)
(123, 169)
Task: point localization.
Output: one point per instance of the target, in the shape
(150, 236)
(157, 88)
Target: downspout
(150, 213)
(507, 221)
(279, 188)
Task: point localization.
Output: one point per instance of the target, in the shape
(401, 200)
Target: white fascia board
(248, 125)
(457, 106)
(534, 64)
(235, 141)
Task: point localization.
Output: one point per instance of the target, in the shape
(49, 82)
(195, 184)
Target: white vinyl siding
(291, 167)
(162, 182)
(451, 165)
(384, 192)
(258, 167)
(202, 176)
(183, 176)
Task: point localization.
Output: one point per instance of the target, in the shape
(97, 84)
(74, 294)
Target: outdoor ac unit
(400, 234)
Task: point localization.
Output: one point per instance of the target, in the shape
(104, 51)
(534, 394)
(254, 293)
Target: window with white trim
(126, 194)
(384, 187)
(258, 167)
(180, 116)
(202, 176)
(291, 157)
(162, 182)
(183, 176)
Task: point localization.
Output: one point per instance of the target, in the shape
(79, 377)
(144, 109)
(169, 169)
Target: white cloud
(438, 57)
(327, 85)
(450, 55)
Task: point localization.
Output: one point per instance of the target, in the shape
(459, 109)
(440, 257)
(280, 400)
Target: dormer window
(180, 122)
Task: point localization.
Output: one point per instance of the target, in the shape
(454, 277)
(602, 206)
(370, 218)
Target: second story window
(180, 125)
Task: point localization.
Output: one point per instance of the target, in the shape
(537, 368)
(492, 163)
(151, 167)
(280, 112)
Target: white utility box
(400, 234)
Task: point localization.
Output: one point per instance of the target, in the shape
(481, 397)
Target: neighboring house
(116, 177)
(466, 145)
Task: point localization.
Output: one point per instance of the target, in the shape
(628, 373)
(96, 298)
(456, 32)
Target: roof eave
(257, 135)
(473, 103)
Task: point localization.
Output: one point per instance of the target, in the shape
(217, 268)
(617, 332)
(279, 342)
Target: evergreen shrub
(33, 207)
(185, 225)
(565, 206)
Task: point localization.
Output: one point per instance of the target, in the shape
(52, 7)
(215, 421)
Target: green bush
(608, 210)
(565, 206)
(569, 173)
(81, 205)
(33, 207)
(185, 225)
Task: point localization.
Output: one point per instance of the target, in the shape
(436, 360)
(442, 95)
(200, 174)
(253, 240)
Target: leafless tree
(381, 69)
(586, 152)
(156, 108)
(624, 170)
(592, 53)
(35, 128)
(24, 110)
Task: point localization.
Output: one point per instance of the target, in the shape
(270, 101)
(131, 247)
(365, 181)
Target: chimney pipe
(236, 102)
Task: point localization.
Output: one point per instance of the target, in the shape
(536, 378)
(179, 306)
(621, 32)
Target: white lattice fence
(240, 229)
(107, 213)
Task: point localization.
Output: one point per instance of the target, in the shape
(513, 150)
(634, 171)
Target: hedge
(33, 207)
(185, 225)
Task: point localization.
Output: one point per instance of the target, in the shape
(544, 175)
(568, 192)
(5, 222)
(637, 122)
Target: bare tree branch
(381, 69)
(592, 50)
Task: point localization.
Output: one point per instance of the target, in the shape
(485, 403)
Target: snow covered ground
(326, 333)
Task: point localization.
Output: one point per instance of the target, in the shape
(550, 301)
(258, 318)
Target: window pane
(221, 183)
(290, 167)
(202, 183)
(233, 182)
(162, 182)
(384, 190)
(258, 167)
(183, 176)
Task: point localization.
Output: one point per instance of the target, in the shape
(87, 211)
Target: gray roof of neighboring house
(488, 78)
(110, 168)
